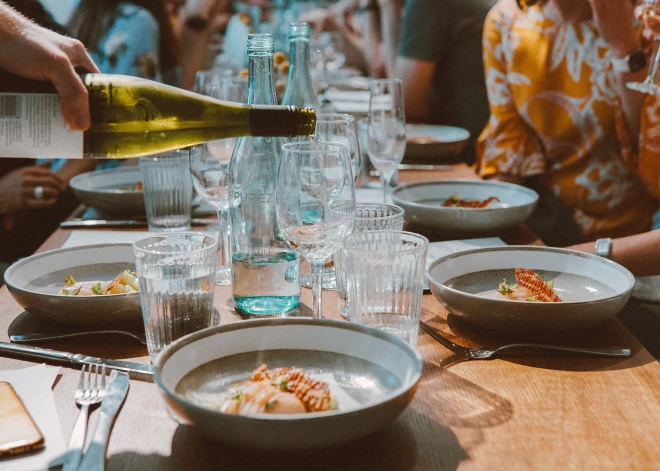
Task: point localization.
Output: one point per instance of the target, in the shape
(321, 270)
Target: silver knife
(115, 393)
(82, 223)
(137, 370)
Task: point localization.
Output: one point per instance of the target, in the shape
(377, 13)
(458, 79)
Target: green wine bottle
(132, 117)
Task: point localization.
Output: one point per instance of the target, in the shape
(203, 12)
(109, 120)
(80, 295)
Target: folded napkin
(34, 386)
(88, 237)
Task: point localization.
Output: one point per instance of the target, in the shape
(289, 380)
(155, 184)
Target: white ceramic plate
(593, 289)
(375, 375)
(422, 202)
(35, 283)
(111, 191)
(430, 143)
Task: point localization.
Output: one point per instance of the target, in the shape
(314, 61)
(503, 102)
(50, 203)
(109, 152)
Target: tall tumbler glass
(385, 275)
(176, 272)
(368, 217)
(168, 190)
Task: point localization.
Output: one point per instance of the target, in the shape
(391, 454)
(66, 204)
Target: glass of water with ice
(176, 272)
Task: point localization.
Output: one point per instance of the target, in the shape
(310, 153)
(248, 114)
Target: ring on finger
(38, 192)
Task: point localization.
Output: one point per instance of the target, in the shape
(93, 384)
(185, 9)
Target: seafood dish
(125, 282)
(455, 201)
(276, 391)
(528, 287)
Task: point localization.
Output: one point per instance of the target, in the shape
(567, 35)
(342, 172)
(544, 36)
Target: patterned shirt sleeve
(507, 145)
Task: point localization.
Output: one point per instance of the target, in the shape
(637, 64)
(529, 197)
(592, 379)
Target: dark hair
(35, 11)
(92, 18)
(525, 4)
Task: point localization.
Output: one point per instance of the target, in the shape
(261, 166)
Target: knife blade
(82, 223)
(136, 370)
(113, 398)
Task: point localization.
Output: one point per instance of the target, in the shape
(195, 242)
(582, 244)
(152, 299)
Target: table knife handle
(94, 458)
(38, 352)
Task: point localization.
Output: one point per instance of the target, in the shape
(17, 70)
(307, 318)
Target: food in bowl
(529, 287)
(455, 201)
(275, 391)
(138, 186)
(125, 282)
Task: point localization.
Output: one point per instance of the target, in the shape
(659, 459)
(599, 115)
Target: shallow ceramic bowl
(110, 191)
(375, 377)
(422, 202)
(593, 289)
(35, 282)
(430, 143)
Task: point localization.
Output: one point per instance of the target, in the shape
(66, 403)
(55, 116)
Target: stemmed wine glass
(649, 85)
(315, 203)
(386, 128)
(209, 166)
(336, 127)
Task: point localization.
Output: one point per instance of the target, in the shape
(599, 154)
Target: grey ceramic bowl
(375, 373)
(111, 191)
(35, 282)
(422, 202)
(593, 289)
(430, 143)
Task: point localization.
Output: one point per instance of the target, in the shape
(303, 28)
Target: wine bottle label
(32, 126)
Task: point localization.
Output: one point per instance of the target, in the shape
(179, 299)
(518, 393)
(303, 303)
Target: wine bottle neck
(261, 81)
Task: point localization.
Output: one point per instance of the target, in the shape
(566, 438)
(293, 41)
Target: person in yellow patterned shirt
(560, 111)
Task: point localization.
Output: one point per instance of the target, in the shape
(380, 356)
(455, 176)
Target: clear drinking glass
(167, 190)
(209, 166)
(650, 85)
(315, 203)
(336, 127)
(176, 273)
(368, 217)
(385, 279)
(386, 128)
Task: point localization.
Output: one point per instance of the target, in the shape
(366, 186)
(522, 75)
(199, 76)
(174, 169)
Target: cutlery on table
(487, 353)
(137, 370)
(38, 336)
(115, 393)
(82, 223)
(90, 391)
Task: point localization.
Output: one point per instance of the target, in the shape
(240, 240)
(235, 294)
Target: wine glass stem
(653, 70)
(316, 269)
(224, 238)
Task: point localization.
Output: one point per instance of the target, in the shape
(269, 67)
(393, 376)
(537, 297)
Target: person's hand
(320, 20)
(33, 52)
(649, 14)
(17, 189)
(614, 20)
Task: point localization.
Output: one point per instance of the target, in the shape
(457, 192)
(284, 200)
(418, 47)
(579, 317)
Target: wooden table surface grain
(528, 412)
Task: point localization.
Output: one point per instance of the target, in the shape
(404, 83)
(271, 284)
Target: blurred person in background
(562, 119)
(440, 62)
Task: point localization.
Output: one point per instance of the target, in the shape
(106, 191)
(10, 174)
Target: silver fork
(487, 353)
(90, 391)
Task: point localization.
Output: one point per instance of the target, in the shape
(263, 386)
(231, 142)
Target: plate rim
(444, 126)
(404, 186)
(168, 351)
(532, 248)
(35, 257)
(75, 181)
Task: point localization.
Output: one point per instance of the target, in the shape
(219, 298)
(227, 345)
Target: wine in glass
(650, 85)
(315, 200)
(386, 128)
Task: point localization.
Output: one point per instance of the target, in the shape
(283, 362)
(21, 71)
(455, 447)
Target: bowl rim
(16, 265)
(459, 181)
(465, 132)
(169, 350)
(75, 181)
(532, 248)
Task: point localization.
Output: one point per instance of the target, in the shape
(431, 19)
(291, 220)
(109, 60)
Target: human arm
(638, 253)
(17, 189)
(71, 168)
(33, 52)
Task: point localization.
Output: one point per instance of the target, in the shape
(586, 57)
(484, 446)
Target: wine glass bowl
(315, 199)
(650, 85)
(386, 128)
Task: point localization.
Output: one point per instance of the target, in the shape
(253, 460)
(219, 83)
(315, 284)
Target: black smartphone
(18, 432)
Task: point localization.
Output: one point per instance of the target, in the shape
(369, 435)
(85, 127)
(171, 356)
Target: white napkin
(34, 386)
(87, 237)
(348, 95)
(369, 195)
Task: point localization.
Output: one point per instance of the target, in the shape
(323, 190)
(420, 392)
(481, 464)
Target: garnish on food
(455, 201)
(125, 282)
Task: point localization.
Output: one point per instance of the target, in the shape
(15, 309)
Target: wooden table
(532, 412)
